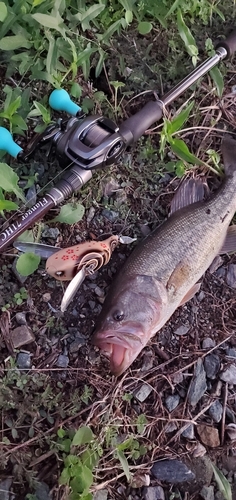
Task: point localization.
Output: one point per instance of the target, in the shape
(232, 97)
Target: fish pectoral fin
(229, 244)
(190, 191)
(190, 294)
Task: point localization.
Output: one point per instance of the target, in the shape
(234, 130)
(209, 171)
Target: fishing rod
(83, 144)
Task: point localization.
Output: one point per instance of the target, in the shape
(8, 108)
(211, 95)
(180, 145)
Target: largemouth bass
(162, 272)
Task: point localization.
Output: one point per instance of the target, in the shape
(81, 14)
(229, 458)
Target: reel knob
(7, 144)
(61, 101)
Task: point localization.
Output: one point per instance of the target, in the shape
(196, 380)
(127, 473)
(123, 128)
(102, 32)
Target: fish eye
(118, 315)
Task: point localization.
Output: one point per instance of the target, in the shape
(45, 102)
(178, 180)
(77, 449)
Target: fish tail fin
(228, 149)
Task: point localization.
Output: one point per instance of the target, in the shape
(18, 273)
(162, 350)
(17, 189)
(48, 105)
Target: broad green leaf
(3, 11)
(91, 13)
(19, 122)
(174, 6)
(90, 458)
(61, 433)
(13, 106)
(43, 111)
(218, 80)
(144, 27)
(105, 37)
(27, 236)
(102, 56)
(38, 2)
(223, 483)
(124, 463)
(48, 21)
(70, 213)
(76, 90)
(179, 168)
(27, 263)
(8, 205)
(14, 42)
(181, 150)
(186, 35)
(129, 16)
(9, 180)
(84, 435)
(180, 119)
(82, 482)
(65, 476)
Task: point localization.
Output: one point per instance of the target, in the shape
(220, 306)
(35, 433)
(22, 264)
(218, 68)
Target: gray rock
(62, 361)
(51, 232)
(77, 344)
(212, 365)
(231, 275)
(111, 215)
(42, 491)
(231, 352)
(208, 343)
(91, 214)
(21, 335)
(215, 411)
(198, 384)
(20, 318)
(23, 360)
(172, 471)
(220, 273)
(182, 330)
(188, 433)
(178, 378)
(201, 296)
(143, 392)
(153, 493)
(171, 426)
(207, 492)
(172, 402)
(229, 375)
(4, 489)
(217, 262)
(101, 495)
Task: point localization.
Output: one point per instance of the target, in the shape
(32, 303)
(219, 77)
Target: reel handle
(60, 100)
(229, 44)
(7, 144)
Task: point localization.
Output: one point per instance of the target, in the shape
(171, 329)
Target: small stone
(23, 361)
(212, 365)
(20, 318)
(77, 344)
(217, 262)
(111, 215)
(172, 471)
(231, 275)
(110, 186)
(143, 392)
(199, 450)
(216, 411)
(207, 493)
(208, 343)
(148, 361)
(51, 232)
(231, 352)
(42, 492)
(100, 495)
(198, 384)
(171, 427)
(21, 335)
(5, 489)
(91, 214)
(188, 433)
(172, 402)
(177, 378)
(182, 330)
(219, 496)
(229, 375)
(46, 297)
(62, 361)
(153, 493)
(201, 296)
(99, 292)
(209, 435)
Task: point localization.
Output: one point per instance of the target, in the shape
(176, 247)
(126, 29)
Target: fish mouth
(121, 347)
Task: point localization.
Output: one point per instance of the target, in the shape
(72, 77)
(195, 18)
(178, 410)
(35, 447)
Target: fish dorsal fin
(190, 191)
(190, 294)
(229, 244)
(228, 149)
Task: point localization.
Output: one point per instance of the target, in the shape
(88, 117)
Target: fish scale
(163, 270)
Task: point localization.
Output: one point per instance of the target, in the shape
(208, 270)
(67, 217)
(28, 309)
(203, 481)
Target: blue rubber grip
(7, 144)
(61, 101)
